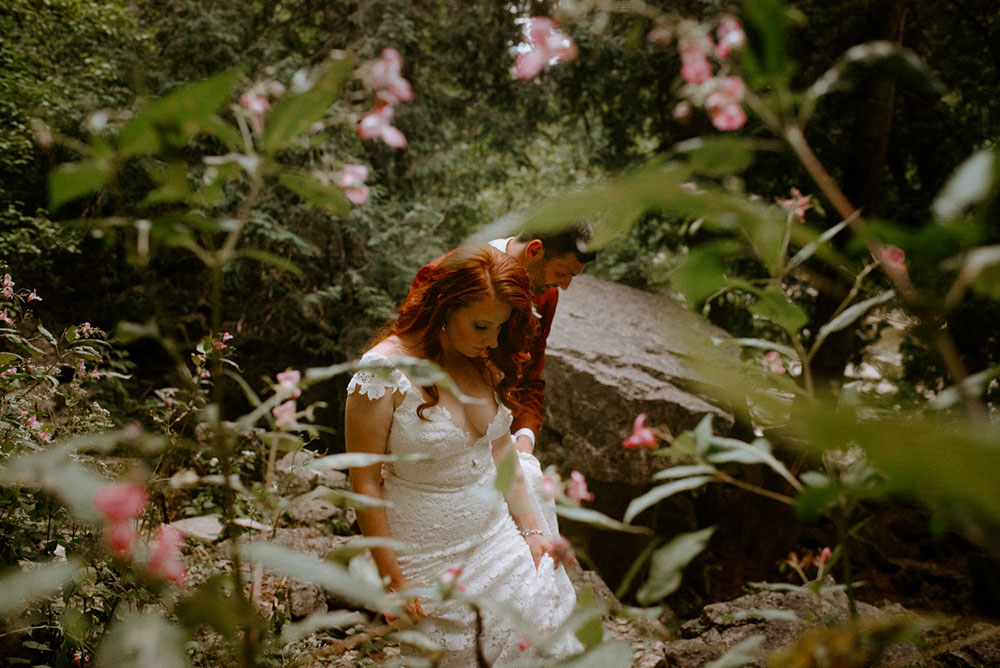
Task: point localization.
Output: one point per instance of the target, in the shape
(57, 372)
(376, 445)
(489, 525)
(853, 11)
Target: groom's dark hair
(571, 240)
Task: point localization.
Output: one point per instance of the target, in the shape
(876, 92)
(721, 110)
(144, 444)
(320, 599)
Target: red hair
(464, 276)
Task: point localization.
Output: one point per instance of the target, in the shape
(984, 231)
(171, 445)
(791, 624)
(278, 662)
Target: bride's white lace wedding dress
(444, 509)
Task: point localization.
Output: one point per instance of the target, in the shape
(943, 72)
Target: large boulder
(615, 352)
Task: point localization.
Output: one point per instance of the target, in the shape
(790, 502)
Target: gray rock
(312, 507)
(615, 352)
(205, 529)
(292, 472)
(306, 599)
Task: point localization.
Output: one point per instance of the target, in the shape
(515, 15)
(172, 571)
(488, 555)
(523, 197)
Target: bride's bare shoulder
(391, 347)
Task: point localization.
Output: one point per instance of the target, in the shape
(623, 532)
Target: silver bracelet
(531, 532)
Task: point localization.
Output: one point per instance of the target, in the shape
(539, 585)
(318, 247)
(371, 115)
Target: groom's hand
(523, 444)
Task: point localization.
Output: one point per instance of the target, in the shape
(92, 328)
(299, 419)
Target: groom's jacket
(531, 391)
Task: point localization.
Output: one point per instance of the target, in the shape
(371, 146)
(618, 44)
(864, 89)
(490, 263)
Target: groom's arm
(531, 389)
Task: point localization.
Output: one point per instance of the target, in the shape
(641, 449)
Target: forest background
(482, 145)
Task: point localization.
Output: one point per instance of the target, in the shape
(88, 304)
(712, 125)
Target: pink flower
(731, 37)
(165, 561)
(352, 182)
(695, 68)
(226, 336)
(798, 204)
(5, 318)
(729, 117)
(33, 423)
(7, 287)
(547, 46)
(256, 105)
(824, 556)
(284, 414)
(577, 488)
(33, 297)
(119, 536)
(205, 373)
(451, 573)
(45, 435)
(723, 106)
(377, 124)
(524, 644)
(893, 256)
(119, 503)
(9, 372)
(773, 362)
(288, 381)
(385, 76)
(641, 434)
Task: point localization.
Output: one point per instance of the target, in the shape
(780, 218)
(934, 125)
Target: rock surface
(615, 352)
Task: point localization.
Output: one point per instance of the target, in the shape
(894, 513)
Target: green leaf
(174, 186)
(684, 471)
(661, 492)
(765, 59)
(316, 193)
(139, 137)
(330, 576)
(810, 249)
(350, 460)
(773, 304)
(762, 344)
(19, 588)
(852, 313)
(59, 475)
(8, 358)
(595, 518)
(591, 633)
(190, 110)
(294, 113)
(340, 619)
(271, 259)
(505, 473)
(667, 564)
(360, 545)
(73, 180)
(758, 452)
(701, 272)
(216, 606)
(720, 156)
(143, 640)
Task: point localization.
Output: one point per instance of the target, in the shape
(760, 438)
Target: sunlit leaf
(361, 544)
(595, 518)
(294, 113)
(340, 619)
(969, 184)
(666, 566)
(72, 180)
(611, 654)
(874, 59)
(701, 272)
(810, 249)
(329, 575)
(758, 452)
(661, 492)
(142, 640)
(19, 588)
(349, 460)
(850, 314)
(191, 109)
(684, 471)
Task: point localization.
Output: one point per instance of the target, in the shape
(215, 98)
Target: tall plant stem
(942, 340)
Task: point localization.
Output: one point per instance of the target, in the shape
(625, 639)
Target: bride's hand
(540, 546)
(412, 606)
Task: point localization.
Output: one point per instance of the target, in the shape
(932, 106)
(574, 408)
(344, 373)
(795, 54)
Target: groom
(552, 261)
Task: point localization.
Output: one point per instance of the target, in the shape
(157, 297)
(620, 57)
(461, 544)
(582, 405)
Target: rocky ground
(773, 627)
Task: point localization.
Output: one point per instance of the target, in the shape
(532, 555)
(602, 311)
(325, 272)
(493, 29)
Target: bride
(473, 318)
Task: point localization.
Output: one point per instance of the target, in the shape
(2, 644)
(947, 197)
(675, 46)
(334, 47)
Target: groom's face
(556, 272)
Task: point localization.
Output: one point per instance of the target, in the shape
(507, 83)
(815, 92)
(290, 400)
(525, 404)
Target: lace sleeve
(377, 376)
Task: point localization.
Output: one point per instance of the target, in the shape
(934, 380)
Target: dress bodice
(451, 457)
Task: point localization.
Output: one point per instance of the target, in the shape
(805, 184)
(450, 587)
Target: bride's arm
(366, 429)
(518, 502)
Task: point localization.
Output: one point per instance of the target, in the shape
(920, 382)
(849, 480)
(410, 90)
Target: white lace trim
(373, 382)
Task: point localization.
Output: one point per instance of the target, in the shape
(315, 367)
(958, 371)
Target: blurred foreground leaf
(18, 588)
(142, 641)
(666, 566)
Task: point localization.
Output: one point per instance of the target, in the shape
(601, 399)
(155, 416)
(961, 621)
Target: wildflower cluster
(544, 45)
(392, 89)
(120, 506)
